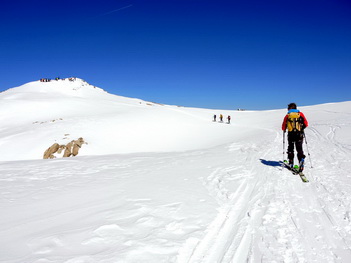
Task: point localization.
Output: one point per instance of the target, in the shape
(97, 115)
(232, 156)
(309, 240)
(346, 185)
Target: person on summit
(295, 121)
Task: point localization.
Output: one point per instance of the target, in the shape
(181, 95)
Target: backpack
(294, 122)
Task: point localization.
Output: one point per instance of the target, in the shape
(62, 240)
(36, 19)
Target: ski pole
(283, 145)
(308, 151)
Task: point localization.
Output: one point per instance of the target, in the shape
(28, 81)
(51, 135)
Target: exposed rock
(55, 148)
(71, 149)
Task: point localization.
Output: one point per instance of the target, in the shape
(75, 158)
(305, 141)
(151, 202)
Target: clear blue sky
(210, 54)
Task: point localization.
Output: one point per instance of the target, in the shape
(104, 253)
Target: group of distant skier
(57, 78)
(221, 118)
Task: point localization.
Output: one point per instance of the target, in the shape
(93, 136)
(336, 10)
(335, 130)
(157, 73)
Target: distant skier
(295, 121)
(221, 118)
(228, 118)
(214, 117)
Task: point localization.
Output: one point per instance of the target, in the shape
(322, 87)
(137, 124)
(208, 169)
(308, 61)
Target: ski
(295, 170)
(303, 177)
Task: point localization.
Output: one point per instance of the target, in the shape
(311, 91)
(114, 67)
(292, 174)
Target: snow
(162, 183)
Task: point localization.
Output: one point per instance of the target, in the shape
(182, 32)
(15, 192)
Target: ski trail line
(220, 233)
(229, 238)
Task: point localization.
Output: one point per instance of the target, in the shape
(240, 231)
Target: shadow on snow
(271, 163)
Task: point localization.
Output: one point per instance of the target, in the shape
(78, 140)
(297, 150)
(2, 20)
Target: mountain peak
(56, 87)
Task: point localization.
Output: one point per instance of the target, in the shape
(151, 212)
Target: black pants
(295, 140)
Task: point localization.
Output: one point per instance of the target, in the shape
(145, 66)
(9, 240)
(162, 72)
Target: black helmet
(292, 106)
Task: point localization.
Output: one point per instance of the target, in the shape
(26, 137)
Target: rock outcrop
(55, 148)
(71, 149)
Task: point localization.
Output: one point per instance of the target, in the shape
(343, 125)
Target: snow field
(159, 183)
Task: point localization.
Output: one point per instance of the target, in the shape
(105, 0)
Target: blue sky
(210, 54)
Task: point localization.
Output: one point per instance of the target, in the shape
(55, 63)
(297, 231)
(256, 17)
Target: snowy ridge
(61, 87)
(160, 183)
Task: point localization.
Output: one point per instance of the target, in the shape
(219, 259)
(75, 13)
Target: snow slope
(160, 183)
(41, 114)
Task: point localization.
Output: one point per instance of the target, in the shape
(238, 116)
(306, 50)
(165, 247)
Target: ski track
(229, 238)
(313, 222)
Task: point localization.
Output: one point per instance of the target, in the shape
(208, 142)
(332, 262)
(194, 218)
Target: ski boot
(301, 165)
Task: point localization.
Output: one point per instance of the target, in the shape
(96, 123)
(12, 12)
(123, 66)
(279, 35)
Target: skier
(214, 117)
(228, 118)
(221, 118)
(295, 121)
